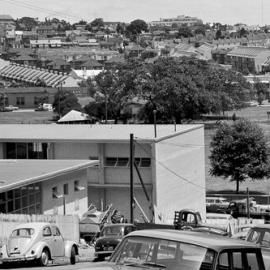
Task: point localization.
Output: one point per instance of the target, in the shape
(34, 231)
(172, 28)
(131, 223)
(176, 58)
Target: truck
(188, 219)
(240, 208)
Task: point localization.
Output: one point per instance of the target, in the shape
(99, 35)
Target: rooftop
(89, 133)
(250, 52)
(17, 173)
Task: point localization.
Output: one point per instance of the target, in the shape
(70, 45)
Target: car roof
(262, 226)
(34, 225)
(211, 241)
(118, 224)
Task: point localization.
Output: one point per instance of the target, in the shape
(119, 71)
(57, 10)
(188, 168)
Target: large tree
(239, 152)
(135, 28)
(184, 88)
(64, 102)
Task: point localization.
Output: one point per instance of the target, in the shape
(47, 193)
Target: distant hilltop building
(6, 23)
(179, 20)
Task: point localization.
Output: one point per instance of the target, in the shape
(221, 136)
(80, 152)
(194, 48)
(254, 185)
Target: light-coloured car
(37, 241)
(174, 250)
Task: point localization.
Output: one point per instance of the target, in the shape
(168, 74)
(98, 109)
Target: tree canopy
(64, 102)
(177, 88)
(136, 27)
(239, 152)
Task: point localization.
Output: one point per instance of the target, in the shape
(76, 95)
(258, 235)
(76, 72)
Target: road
(65, 266)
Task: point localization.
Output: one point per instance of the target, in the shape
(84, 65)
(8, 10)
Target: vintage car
(110, 236)
(260, 235)
(173, 250)
(37, 241)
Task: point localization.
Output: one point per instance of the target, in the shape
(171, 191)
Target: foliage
(136, 27)
(98, 23)
(184, 31)
(148, 54)
(26, 23)
(239, 152)
(177, 88)
(261, 90)
(64, 102)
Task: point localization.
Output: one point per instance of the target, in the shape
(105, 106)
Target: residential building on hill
(249, 59)
(170, 161)
(179, 20)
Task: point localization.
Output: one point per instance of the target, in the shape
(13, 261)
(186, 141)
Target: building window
(26, 151)
(20, 101)
(54, 192)
(65, 189)
(24, 200)
(110, 162)
(124, 162)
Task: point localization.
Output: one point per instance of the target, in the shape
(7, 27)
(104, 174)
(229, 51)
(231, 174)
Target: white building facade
(171, 164)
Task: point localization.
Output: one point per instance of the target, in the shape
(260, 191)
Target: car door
(58, 242)
(48, 238)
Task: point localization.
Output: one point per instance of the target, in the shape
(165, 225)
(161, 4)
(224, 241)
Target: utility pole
(131, 161)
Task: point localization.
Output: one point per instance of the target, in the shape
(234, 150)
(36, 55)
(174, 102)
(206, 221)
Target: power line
(170, 170)
(43, 10)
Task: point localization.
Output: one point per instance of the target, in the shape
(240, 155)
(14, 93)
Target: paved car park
(58, 266)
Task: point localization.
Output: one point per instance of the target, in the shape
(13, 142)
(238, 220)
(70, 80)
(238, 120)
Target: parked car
(242, 231)
(260, 235)
(11, 108)
(216, 204)
(110, 236)
(172, 250)
(37, 241)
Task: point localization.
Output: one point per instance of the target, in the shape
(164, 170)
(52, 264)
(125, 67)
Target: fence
(68, 225)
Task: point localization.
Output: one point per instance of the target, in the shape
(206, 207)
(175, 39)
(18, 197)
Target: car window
(55, 231)
(47, 231)
(223, 261)
(254, 236)
(237, 260)
(265, 241)
(252, 261)
(25, 232)
(167, 250)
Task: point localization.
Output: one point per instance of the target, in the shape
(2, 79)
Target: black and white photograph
(135, 134)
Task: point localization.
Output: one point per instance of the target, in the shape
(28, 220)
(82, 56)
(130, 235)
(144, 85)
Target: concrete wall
(67, 150)
(76, 201)
(180, 174)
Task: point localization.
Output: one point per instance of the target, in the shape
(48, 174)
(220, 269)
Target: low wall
(68, 225)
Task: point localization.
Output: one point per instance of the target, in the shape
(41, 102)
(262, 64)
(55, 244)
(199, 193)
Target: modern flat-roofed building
(170, 160)
(44, 186)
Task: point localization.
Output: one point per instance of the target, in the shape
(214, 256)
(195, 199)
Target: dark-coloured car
(110, 236)
(181, 250)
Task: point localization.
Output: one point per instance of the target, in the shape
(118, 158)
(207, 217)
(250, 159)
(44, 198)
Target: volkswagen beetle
(37, 241)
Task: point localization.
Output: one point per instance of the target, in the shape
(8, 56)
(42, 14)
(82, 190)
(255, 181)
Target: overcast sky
(224, 11)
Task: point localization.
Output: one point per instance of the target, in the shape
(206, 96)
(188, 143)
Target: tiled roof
(249, 52)
(73, 116)
(31, 75)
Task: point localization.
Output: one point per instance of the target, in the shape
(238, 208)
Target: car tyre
(44, 258)
(73, 256)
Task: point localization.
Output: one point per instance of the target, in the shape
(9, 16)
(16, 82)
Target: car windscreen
(115, 230)
(24, 232)
(144, 251)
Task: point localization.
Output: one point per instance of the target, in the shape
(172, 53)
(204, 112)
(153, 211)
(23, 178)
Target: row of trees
(177, 89)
